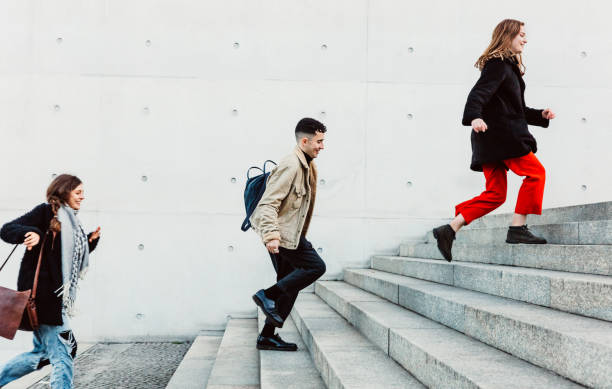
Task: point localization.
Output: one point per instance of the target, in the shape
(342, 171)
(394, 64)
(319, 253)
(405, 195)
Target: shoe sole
(435, 234)
(517, 242)
(272, 348)
(275, 322)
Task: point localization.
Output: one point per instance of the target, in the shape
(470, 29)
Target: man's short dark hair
(308, 126)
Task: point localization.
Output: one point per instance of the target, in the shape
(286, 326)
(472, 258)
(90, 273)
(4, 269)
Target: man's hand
(273, 245)
(31, 240)
(95, 235)
(479, 125)
(548, 114)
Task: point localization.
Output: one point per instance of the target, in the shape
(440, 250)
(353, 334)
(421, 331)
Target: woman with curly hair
(65, 259)
(500, 138)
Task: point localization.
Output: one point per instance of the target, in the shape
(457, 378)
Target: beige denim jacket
(286, 207)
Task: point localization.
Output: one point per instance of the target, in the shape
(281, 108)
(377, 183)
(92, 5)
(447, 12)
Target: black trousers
(295, 270)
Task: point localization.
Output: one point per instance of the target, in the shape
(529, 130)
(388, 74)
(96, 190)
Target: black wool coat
(498, 98)
(48, 304)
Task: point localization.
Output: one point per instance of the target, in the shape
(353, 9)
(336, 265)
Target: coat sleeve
(491, 77)
(33, 221)
(534, 117)
(265, 217)
(94, 243)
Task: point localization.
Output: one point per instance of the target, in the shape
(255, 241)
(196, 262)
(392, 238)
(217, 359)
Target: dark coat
(498, 98)
(48, 304)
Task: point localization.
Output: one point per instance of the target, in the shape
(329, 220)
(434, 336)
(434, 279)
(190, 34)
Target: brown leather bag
(14, 304)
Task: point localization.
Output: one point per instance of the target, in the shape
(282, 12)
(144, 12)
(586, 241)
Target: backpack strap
(266, 163)
(254, 167)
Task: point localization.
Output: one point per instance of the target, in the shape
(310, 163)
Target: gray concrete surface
(575, 347)
(588, 259)
(237, 363)
(195, 368)
(288, 370)
(585, 232)
(344, 357)
(584, 294)
(436, 355)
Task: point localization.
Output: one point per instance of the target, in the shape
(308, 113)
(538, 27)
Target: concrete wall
(190, 93)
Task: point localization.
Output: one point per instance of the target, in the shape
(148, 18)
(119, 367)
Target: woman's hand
(548, 114)
(95, 235)
(31, 240)
(479, 125)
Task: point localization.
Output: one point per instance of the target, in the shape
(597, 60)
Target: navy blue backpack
(253, 192)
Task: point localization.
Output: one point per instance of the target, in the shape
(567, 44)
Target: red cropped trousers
(530, 195)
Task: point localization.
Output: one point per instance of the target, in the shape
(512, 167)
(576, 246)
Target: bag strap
(265, 163)
(9, 257)
(251, 168)
(42, 247)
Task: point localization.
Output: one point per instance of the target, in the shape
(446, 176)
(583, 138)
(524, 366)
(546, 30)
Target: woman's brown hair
(501, 43)
(58, 193)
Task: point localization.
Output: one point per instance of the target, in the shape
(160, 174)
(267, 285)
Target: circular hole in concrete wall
(409, 184)
(323, 47)
(144, 178)
(583, 120)
(236, 45)
(141, 247)
(233, 180)
(323, 113)
(583, 188)
(57, 107)
(410, 116)
(322, 182)
(139, 316)
(146, 110)
(583, 54)
(53, 175)
(59, 40)
(320, 250)
(148, 43)
(235, 111)
(230, 249)
(411, 49)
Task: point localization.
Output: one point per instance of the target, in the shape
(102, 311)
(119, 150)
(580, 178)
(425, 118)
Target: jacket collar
(300, 155)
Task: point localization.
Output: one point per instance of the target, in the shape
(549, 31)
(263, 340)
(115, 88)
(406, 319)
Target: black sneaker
(521, 234)
(274, 343)
(445, 236)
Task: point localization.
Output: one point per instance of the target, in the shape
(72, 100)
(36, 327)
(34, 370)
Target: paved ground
(125, 366)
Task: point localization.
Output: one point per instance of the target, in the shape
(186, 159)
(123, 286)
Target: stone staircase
(498, 316)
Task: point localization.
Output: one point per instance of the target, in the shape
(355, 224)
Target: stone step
(195, 368)
(584, 294)
(437, 356)
(588, 259)
(281, 370)
(237, 362)
(587, 232)
(573, 213)
(572, 346)
(344, 357)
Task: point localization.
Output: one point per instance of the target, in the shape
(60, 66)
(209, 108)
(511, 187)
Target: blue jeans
(53, 345)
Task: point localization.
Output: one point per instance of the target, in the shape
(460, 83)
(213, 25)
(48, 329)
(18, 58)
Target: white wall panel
(159, 89)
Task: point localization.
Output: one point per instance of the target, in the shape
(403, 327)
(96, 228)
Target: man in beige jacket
(281, 218)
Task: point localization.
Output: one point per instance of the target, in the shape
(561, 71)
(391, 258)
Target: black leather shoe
(445, 236)
(274, 343)
(521, 234)
(268, 307)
